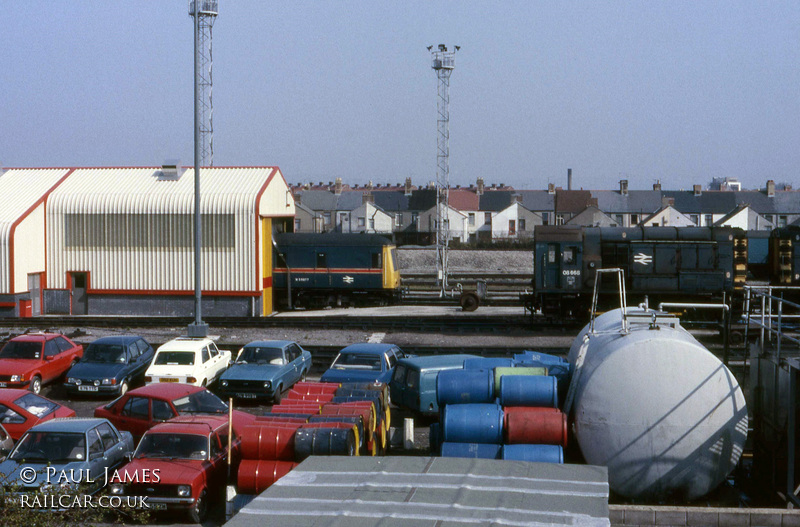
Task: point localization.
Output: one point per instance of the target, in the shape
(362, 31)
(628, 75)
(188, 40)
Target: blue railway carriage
(687, 264)
(333, 269)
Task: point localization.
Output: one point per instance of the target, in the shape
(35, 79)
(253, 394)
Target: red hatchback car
(186, 463)
(33, 360)
(21, 409)
(139, 410)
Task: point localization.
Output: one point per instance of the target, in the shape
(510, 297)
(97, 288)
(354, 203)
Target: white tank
(657, 408)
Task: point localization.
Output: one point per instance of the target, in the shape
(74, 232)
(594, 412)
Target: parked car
(33, 360)
(6, 443)
(190, 360)
(264, 369)
(190, 456)
(21, 409)
(81, 450)
(139, 410)
(413, 384)
(110, 365)
(364, 362)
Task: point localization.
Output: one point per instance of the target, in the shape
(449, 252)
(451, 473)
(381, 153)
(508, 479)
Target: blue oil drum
(472, 423)
(435, 437)
(534, 453)
(543, 358)
(529, 390)
(487, 363)
(475, 450)
(464, 387)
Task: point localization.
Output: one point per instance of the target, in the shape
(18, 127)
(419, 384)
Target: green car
(413, 384)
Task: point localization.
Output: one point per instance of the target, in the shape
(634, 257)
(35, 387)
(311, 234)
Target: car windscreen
(51, 446)
(174, 446)
(37, 405)
(202, 402)
(258, 355)
(179, 358)
(104, 353)
(21, 350)
(356, 361)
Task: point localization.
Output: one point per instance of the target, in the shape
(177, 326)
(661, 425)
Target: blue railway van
(333, 269)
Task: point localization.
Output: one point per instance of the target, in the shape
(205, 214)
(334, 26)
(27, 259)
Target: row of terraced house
(494, 212)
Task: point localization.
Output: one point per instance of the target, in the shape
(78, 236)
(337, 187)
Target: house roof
(574, 201)
(592, 217)
(537, 200)
(391, 201)
(422, 199)
(319, 199)
(495, 200)
(709, 202)
(636, 201)
(464, 199)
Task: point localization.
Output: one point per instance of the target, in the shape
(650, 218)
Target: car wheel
(36, 384)
(276, 399)
(198, 513)
(123, 388)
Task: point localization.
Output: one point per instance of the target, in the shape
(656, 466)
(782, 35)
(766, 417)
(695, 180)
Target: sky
(673, 91)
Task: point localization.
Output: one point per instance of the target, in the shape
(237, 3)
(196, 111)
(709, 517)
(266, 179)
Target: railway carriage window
(322, 260)
(551, 253)
(377, 261)
(569, 255)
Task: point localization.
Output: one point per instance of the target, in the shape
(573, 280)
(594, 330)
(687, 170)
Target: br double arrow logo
(643, 259)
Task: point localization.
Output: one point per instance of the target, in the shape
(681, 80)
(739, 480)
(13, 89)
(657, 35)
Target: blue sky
(678, 91)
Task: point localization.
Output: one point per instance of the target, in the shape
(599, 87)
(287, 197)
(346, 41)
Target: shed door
(77, 290)
(35, 289)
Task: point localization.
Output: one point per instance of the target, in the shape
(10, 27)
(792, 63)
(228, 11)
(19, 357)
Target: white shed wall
(29, 248)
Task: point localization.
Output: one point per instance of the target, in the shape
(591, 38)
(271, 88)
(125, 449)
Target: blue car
(364, 362)
(110, 365)
(264, 369)
(69, 453)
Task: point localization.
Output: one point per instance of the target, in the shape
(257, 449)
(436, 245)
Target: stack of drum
(503, 408)
(313, 419)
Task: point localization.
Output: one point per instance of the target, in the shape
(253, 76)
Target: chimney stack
(551, 188)
(698, 189)
(369, 186)
(408, 187)
(367, 197)
(623, 187)
(770, 188)
(516, 198)
(569, 179)
(480, 186)
(667, 202)
(337, 188)
(657, 185)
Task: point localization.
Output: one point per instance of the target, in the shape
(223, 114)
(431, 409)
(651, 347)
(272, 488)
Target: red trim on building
(267, 282)
(8, 304)
(258, 222)
(25, 214)
(168, 292)
(329, 271)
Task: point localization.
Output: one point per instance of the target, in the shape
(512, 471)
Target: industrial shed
(121, 240)
(22, 237)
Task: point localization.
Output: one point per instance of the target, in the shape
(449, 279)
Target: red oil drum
(269, 441)
(294, 395)
(255, 476)
(304, 408)
(365, 409)
(310, 388)
(261, 419)
(529, 425)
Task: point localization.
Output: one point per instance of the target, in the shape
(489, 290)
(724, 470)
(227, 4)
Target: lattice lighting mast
(443, 62)
(206, 13)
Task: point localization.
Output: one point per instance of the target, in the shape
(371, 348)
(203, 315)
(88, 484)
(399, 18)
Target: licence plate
(158, 506)
(87, 388)
(168, 379)
(246, 395)
(3, 385)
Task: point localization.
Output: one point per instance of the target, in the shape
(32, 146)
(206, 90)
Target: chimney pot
(623, 187)
(408, 187)
(770, 188)
(551, 188)
(698, 189)
(657, 185)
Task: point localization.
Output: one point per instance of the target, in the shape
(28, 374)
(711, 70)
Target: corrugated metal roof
(22, 188)
(423, 491)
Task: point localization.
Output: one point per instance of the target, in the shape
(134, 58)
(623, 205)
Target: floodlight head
(430, 47)
(442, 47)
(458, 47)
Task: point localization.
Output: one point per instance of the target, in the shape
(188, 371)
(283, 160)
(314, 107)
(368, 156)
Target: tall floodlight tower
(443, 63)
(205, 13)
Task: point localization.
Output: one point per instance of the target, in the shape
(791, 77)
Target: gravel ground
(423, 260)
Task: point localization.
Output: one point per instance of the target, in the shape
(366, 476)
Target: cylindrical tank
(266, 440)
(324, 442)
(534, 453)
(653, 405)
(529, 390)
(472, 423)
(476, 450)
(464, 387)
(535, 426)
(255, 476)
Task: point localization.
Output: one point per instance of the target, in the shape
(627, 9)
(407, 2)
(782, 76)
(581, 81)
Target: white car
(195, 361)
